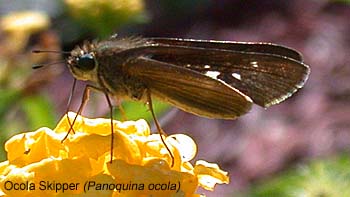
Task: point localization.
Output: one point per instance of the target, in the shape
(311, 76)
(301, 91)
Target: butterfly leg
(161, 133)
(122, 112)
(69, 103)
(84, 100)
(111, 118)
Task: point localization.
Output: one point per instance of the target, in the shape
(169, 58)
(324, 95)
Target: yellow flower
(40, 164)
(26, 21)
(103, 17)
(130, 6)
(20, 25)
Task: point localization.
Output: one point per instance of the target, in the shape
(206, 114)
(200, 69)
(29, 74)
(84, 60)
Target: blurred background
(297, 148)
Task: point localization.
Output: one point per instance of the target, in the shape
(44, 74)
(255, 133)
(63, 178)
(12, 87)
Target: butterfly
(213, 79)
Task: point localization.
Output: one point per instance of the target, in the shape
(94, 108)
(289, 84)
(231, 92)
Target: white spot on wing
(254, 64)
(236, 75)
(212, 74)
(207, 66)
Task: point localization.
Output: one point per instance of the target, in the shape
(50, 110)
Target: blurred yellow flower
(104, 17)
(28, 21)
(131, 6)
(20, 25)
(39, 164)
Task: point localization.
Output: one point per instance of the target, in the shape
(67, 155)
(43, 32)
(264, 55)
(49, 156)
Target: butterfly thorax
(116, 80)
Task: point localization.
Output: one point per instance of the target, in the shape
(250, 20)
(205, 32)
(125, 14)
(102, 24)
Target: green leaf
(136, 110)
(39, 112)
(7, 99)
(322, 177)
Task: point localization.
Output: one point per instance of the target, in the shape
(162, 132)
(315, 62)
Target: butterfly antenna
(49, 64)
(50, 51)
(36, 66)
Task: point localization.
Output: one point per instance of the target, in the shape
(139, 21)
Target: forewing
(266, 78)
(189, 90)
(255, 47)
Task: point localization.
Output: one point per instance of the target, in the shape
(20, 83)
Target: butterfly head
(82, 62)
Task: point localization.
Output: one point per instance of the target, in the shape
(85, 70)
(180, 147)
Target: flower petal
(209, 174)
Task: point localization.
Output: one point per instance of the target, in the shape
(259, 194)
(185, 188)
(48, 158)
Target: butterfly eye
(86, 62)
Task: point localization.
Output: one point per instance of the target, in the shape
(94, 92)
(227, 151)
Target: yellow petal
(99, 185)
(17, 183)
(141, 161)
(27, 22)
(209, 174)
(31, 147)
(20, 25)
(185, 144)
(153, 179)
(48, 177)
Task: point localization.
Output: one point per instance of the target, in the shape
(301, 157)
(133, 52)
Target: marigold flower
(40, 164)
(103, 17)
(20, 25)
